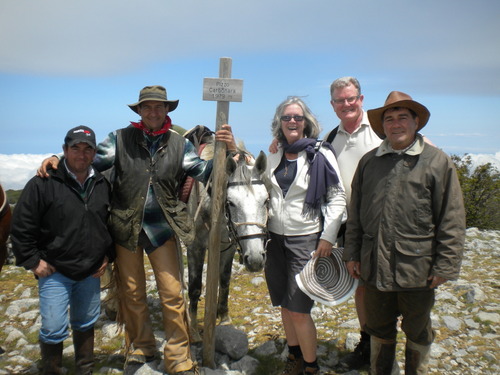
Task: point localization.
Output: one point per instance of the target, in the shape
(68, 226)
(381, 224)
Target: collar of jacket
(415, 149)
(62, 174)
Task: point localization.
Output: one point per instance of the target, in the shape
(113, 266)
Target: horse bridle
(4, 208)
(233, 225)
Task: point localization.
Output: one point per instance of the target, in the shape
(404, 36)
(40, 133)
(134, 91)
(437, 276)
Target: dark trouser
(382, 312)
(384, 308)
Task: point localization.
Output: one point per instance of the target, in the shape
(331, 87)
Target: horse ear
(261, 162)
(230, 165)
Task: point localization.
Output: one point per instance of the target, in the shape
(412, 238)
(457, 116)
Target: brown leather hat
(398, 99)
(155, 93)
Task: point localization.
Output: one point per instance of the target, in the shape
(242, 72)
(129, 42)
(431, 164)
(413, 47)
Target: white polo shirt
(349, 149)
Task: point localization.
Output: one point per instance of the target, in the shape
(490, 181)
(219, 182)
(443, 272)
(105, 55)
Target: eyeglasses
(289, 118)
(349, 100)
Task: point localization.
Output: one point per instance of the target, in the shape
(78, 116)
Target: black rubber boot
(416, 358)
(51, 358)
(84, 351)
(383, 357)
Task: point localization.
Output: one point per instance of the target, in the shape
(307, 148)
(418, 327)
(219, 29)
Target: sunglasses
(289, 118)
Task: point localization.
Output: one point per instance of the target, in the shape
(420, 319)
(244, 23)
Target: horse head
(246, 206)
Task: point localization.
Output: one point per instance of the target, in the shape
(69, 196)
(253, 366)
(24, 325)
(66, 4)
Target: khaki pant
(134, 309)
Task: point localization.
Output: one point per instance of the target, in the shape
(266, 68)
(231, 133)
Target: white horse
(246, 212)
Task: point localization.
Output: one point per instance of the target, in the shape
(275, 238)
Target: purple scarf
(322, 175)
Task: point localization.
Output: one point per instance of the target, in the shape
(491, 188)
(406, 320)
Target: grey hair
(311, 126)
(342, 82)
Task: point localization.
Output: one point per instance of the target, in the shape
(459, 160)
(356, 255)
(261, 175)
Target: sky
(65, 63)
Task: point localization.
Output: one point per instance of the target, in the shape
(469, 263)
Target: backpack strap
(332, 135)
(318, 145)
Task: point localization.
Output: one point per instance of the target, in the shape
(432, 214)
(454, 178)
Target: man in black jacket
(59, 233)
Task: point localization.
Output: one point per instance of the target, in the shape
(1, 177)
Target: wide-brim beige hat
(398, 99)
(155, 93)
(326, 279)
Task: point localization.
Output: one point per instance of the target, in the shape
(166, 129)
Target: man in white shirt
(353, 138)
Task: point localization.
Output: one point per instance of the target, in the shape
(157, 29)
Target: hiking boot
(311, 370)
(193, 371)
(139, 359)
(359, 357)
(293, 365)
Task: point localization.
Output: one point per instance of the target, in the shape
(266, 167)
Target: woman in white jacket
(306, 209)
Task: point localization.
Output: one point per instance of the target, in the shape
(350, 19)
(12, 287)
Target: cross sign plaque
(223, 89)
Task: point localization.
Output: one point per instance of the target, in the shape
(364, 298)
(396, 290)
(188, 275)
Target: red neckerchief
(166, 126)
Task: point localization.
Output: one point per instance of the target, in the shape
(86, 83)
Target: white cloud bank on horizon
(481, 159)
(17, 169)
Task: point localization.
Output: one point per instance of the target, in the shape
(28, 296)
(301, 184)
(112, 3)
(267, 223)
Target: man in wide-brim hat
(147, 217)
(398, 99)
(156, 94)
(405, 232)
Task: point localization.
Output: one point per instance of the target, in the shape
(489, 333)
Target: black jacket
(52, 222)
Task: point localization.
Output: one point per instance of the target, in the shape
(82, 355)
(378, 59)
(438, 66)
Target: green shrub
(481, 191)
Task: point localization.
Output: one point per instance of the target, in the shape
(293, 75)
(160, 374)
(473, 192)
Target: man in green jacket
(405, 232)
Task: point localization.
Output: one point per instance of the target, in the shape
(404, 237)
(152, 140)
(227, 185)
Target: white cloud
(17, 169)
(481, 159)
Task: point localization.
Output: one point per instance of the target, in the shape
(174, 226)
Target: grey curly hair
(311, 126)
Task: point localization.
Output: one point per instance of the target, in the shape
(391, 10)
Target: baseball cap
(80, 134)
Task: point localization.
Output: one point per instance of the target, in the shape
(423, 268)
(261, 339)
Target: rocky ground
(466, 319)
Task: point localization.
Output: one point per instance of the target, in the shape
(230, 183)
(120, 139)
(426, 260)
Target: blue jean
(57, 293)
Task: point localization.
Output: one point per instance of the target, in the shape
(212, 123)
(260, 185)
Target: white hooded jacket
(285, 213)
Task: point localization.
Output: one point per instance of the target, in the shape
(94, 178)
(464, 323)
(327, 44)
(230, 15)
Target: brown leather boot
(383, 357)
(84, 351)
(51, 358)
(416, 358)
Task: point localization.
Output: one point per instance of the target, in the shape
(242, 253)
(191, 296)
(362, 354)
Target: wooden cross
(223, 90)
